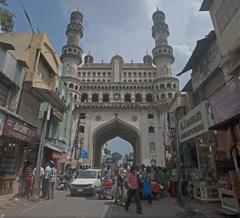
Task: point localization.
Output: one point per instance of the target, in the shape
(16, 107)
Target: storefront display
(18, 138)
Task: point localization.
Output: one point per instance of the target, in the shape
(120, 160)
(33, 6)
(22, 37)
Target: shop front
(198, 149)
(17, 142)
(225, 119)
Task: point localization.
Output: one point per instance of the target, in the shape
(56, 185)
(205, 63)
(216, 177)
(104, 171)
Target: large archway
(111, 130)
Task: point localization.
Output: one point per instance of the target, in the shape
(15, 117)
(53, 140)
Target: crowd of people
(135, 183)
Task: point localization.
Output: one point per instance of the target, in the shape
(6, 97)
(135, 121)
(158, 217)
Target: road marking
(180, 208)
(29, 209)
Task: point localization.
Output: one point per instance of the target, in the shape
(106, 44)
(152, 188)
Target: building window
(169, 95)
(151, 129)
(163, 96)
(127, 97)
(75, 97)
(138, 97)
(152, 146)
(82, 116)
(81, 129)
(162, 86)
(76, 87)
(174, 86)
(168, 85)
(149, 97)
(150, 116)
(105, 97)
(71, 86)
(95, 97)
(84, 97)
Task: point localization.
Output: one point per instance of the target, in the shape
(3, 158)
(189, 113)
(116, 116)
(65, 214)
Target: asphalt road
(65, 206)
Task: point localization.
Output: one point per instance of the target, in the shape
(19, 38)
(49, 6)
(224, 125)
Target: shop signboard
(18, 129)
(225, 104)
(84, 154)
(194, 123)
(2, 120)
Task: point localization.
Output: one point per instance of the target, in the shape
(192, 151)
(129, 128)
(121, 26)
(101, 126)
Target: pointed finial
(147, 51)
(157, 8)
(89, 52)
(78, 9)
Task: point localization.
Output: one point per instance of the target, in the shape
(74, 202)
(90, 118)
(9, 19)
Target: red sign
(18, 129)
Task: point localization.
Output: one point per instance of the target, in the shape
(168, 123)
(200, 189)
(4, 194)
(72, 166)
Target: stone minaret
(162, 53)
(72, 53)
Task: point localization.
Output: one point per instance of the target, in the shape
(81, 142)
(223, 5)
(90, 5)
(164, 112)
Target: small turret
(88, 59)
(147, 59)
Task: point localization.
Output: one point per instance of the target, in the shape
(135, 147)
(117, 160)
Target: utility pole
(44, 114)
(173, 127)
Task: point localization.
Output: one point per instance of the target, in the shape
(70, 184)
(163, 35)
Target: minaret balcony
(158, 28)
(75, 28)
(163, 50)
(71, 51)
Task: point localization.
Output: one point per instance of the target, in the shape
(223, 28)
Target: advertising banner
(225, 104)
(18, 129)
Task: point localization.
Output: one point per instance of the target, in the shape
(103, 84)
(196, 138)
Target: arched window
(174, 86)
(75, 97)
(81, 129)
(105, 97)
(95, 97)
(65, 84)
(138, 97)
(163, 96)
(144, 74)
(169, 95)
(135, 80)
(84, 97)
(168, 85)
(151, 129)
(150, 116)
(89, 74)
(82, 116)
(149, 97)
(71, 86)
(152, 146)
(104, 74)
(127, 97)
(162, 86)
(76, 87)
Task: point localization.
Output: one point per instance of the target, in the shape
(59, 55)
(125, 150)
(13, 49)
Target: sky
(118, 26)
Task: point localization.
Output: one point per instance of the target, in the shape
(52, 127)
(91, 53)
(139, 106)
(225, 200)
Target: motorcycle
(63, 183)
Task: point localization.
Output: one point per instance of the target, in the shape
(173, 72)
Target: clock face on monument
(116, 96)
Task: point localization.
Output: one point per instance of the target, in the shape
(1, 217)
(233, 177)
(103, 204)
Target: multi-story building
(121, 99)
(29, 77)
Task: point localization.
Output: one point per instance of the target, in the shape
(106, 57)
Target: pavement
(87, 207)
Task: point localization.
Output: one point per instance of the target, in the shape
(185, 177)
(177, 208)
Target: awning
(225, 124)
(206, 5)
(199, 50)
(53, 147)
(51, 97)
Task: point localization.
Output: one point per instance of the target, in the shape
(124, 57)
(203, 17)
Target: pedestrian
(133, 190)
(147, 184)
(41, 176)
(28, 178)
(52, 180)
(46, 180)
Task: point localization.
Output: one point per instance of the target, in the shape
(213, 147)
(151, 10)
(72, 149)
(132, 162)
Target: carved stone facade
(122, 99)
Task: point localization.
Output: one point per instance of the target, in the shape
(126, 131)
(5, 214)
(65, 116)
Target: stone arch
(112, 129)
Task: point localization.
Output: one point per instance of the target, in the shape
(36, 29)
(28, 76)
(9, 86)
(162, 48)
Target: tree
(107, 151)
(6, 18)
(116, 156)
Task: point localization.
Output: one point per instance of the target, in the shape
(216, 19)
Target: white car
(87, 183)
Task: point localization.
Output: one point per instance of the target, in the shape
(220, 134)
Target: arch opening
(111, 130)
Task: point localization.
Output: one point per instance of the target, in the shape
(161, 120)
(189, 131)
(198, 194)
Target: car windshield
(88, 174)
